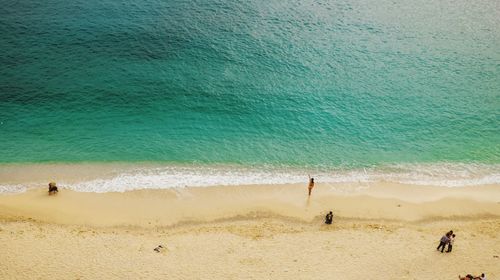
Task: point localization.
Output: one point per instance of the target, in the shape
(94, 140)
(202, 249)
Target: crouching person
(53, 188)
(329, 218)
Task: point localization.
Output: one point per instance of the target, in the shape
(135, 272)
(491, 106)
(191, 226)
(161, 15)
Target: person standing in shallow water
(311, 184)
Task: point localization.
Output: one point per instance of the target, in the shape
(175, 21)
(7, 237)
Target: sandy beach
(380, 231)
(183, 137)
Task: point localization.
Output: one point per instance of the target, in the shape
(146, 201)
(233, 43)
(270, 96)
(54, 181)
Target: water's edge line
(150, 176)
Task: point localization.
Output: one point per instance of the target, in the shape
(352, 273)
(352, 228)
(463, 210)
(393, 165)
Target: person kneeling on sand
(329, 218)
(53, 188)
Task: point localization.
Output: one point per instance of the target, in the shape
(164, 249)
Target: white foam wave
(446, 175)
(171, 177)
(12, 188)
(174, 177)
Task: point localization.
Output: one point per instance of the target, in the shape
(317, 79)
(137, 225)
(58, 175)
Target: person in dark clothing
(329, 218)
(53, 188)
(444, 240)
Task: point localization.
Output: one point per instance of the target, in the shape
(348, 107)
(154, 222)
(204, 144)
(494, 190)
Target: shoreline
(122, 177)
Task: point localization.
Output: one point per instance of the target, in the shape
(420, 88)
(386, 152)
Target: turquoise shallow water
(279, 83)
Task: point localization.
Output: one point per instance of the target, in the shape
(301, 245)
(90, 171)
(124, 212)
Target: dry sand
(380, 231)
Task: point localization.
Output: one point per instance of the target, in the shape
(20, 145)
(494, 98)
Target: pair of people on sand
(470, 277)
(447, 239)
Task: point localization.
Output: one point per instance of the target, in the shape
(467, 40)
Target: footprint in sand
(161, 249)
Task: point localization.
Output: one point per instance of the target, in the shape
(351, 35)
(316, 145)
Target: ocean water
(261, 86)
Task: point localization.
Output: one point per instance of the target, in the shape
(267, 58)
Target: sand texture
(380, 231)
